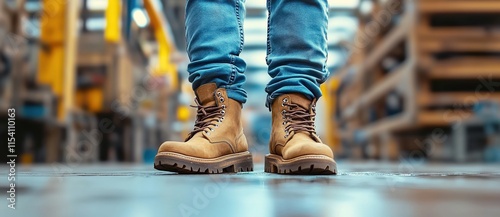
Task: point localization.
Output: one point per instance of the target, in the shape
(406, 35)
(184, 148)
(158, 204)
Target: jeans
(296, 46)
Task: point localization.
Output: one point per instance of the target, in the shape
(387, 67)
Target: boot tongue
(301, 100)
(206, 94)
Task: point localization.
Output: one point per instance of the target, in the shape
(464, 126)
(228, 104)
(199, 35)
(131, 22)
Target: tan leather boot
(294, 147)
(217, 143)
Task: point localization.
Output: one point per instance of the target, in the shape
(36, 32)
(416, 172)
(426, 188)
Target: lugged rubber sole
(231, 163)
(302, 165)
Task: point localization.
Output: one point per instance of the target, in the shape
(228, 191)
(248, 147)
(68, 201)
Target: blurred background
(106, 81)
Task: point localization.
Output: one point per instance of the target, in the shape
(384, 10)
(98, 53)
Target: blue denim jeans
(296, 46)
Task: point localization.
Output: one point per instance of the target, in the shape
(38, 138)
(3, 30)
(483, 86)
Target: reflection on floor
(361, 189)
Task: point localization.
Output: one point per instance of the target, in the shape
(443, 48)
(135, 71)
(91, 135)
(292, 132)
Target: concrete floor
(361, 189)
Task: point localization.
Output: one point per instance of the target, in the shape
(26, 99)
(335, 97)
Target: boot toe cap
(177, 147)
(196, 147)
(311, 148)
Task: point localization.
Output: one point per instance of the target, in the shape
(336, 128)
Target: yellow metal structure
(91, 99)
(57, 56)
(112, 33)
(56, 63)
(165, 45)
(52, 36)
(328, 89)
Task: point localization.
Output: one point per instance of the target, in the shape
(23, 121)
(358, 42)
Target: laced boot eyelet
(285, 100)
(219, 93)
(221, 99)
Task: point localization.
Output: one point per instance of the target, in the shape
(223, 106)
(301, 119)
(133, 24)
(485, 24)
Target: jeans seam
(233, 71)
(268, 31)
(240, 26)
(240, 29)
(325, 66)
(269, 98)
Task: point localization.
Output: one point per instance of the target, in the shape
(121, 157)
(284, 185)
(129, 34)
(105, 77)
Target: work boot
(216, 144)
(294, 147)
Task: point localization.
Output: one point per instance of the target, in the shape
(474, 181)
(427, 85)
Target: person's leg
(214, 34)
(217, 144)
(296, 47)
(296, 57)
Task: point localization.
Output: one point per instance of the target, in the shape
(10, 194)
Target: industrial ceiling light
(140, 17)
(97, 5)
(366, 7)
(343, 4)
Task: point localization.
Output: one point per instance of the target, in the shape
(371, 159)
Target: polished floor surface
(361, 189)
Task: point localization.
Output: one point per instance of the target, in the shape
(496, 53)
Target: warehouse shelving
(420, 61)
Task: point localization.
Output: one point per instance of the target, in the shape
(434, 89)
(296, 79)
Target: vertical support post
(70, 53)
(138, 131)
(460, 142)
(69, 71)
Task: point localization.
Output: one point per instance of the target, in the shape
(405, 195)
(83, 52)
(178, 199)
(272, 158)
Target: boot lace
(208, 117)
(297, 118)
